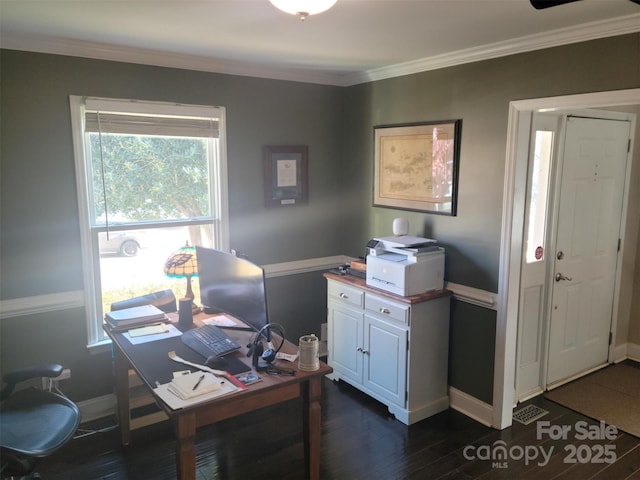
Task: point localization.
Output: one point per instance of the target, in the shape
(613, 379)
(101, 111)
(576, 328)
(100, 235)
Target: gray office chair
(34, 423)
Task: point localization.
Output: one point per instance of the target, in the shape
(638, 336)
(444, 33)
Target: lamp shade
(303, 8)
(182, 263)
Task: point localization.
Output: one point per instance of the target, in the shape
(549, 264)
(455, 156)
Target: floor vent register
(528, 414)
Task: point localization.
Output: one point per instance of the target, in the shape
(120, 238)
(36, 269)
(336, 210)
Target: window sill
(102, 346)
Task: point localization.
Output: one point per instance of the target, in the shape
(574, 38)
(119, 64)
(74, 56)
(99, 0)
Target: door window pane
(538, 197)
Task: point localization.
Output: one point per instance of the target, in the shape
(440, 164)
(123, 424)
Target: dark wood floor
(360, 440)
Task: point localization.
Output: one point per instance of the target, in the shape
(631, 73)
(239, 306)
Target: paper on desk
(287, 356)
(220, 321)
(171, 332)
(156, 329)
(176, 403)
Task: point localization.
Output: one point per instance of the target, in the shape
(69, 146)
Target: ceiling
(354, 42)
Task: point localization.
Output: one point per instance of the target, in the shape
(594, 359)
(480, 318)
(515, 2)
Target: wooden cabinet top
(361, 283)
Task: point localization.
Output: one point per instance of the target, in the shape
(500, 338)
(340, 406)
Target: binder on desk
(133, 317)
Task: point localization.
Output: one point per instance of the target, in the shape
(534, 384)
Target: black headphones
(256, 347)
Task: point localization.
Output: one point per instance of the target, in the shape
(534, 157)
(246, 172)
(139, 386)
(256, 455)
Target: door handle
(560, 276)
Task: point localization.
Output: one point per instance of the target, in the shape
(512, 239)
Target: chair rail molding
(19, 307)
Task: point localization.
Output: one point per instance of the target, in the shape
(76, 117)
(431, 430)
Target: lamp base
(195, 309)
(185, 314)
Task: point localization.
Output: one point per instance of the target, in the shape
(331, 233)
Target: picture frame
(416, 166)
(286, 180)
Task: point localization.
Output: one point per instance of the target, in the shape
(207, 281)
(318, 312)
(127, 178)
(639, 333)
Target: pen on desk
(198, 382)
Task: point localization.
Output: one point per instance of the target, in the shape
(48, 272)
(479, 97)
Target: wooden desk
(151, 362)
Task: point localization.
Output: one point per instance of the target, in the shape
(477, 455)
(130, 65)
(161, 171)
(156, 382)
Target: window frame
(89, 231)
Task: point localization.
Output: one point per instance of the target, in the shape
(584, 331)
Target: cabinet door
(385, 352)
(344, 331)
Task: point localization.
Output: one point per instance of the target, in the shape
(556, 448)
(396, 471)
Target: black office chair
(33, 423)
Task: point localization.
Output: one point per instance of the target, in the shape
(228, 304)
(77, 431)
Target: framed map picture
(416, 166)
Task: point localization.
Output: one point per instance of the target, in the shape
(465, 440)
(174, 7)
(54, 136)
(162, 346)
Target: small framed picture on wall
(286, 179)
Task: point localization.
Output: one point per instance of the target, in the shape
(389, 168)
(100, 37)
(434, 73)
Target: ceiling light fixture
(303, 8)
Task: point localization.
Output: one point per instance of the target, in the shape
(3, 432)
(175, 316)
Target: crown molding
(554, 38)
(158, 58)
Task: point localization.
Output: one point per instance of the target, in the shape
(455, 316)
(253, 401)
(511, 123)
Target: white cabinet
(392, 348)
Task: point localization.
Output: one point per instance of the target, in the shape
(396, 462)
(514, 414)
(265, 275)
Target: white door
(385, 351)
(345, 341)
(587, 236)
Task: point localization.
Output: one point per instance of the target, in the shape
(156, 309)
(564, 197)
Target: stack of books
(128, 318)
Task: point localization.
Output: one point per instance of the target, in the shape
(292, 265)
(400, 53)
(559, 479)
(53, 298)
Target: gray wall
(479, 94)
(40, 241)
(40, 238)
(40, 248)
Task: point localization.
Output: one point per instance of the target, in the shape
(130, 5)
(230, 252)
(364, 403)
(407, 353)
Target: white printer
(405, 265)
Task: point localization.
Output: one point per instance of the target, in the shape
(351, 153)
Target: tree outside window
(151, 181)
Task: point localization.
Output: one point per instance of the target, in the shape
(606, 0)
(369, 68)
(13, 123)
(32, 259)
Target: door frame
(519, 121)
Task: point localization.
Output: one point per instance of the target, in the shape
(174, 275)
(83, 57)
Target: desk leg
(121, 370)
(312, 427)
(185, 426)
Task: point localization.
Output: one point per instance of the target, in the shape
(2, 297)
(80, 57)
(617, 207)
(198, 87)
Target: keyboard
(209, 340)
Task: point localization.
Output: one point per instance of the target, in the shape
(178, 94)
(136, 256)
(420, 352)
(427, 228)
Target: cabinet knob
(344, 295)
(386, 311)
(359, 349)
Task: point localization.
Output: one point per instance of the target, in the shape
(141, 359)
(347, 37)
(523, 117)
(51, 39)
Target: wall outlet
(50, 383)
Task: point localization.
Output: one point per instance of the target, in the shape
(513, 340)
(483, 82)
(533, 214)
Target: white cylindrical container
(308, 357)
(400, 226)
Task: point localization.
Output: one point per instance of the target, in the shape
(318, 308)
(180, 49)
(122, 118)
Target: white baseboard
(630, 351)
(471, 407)
(633, 351)
(620, 353)
(98, 407)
